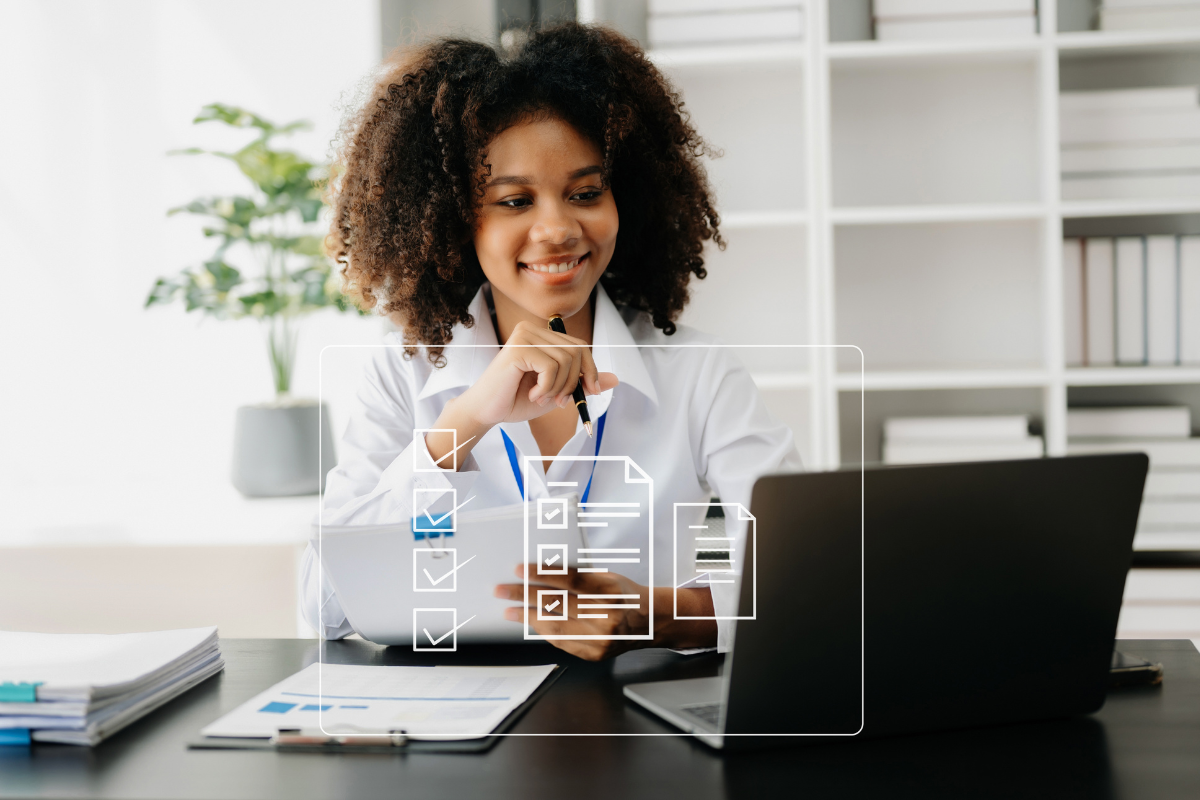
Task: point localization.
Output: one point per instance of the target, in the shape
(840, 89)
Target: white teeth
(554, 269)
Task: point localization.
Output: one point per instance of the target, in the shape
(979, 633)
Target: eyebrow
(521, 180)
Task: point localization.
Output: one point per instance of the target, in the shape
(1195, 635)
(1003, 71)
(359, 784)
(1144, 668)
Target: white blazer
(686, 412)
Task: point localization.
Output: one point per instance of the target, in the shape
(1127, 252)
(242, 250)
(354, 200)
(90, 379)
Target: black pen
(556, 324)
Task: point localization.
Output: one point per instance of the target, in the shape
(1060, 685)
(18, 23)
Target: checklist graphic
(423, 461)
(709, 553)
(552, 513)
(552, 559)
(552, 605)
(615, 534)
(432, 573)
(436, 629)
(435, 511)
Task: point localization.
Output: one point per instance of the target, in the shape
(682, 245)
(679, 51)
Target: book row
(1131, 300)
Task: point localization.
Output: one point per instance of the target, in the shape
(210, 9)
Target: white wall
(116, 422)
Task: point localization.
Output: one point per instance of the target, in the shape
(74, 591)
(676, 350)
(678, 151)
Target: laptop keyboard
(708, 713)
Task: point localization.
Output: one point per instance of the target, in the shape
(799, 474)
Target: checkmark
(452, 452)
(549, 607)
(435, 642)
(433, 521)
(553, 514)
(549, 561)
(436, 581)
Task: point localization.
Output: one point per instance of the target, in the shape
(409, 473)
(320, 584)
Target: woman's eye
(515, 202)
(589, 194)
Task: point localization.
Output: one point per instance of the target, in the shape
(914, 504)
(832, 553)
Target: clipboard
(480, 745)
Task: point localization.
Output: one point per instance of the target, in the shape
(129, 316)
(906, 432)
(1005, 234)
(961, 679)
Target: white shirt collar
(472, 349)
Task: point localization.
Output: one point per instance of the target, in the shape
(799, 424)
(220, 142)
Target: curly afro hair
(407, 187)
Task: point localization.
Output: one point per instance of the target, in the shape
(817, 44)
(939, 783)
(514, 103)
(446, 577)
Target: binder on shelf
(1162, 321)
(1130, 269)
(1074, 335)
(1189, 300)
(1099, 313)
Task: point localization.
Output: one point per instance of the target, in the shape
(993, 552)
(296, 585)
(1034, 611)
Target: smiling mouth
(556, 269)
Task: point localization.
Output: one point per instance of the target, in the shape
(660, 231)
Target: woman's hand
(593, 589)
(535, 372)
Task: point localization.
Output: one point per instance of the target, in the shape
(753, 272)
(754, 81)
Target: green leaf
(224, 276)
(162, 293)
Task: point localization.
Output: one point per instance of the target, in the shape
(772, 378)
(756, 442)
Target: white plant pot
(282, 449)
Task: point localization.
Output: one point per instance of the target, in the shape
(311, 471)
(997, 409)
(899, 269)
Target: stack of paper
(1129, 15)
(934, 440)
(1131, 300)
(82, 688)
(1170, 515)
(907, 20)
(674, 23)
(1130, 143)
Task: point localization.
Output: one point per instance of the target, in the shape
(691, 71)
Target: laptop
(923, 598)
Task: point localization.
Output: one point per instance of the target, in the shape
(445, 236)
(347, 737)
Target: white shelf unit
(930, 229)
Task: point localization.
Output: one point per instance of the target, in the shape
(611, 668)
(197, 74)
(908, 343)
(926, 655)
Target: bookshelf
(911, 207)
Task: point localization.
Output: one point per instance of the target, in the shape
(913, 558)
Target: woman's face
(546, 230)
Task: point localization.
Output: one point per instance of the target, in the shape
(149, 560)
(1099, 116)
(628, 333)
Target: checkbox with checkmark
(552, 513)
(552, 559)
(436, 629)
(436, 570)
(552, 605)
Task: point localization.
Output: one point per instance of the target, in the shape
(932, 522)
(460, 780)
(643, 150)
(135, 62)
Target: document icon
(709, 552)
(617, 525)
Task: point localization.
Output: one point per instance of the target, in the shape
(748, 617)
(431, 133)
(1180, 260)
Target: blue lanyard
(516, 469)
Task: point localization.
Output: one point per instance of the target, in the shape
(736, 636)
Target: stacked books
(1131, 300)
(908, 20)
(1170, 515)
(82, 688)
(940, 440)
(1130, 143)
(677, 23)
(1131, 15)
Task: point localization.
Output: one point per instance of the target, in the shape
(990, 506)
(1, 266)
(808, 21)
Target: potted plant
(276, 443)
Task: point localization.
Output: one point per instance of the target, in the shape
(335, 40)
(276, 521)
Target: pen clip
(315, 737)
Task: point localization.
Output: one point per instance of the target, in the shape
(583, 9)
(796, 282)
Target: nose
(555, 224)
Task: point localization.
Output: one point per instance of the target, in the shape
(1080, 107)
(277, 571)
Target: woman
(478, 196)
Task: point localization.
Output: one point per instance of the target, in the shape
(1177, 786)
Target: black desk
(1145, 743)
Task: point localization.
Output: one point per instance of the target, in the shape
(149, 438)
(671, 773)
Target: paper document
(421, 702)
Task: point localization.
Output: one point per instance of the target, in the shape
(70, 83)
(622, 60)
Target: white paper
(82, 667)
(441, 702)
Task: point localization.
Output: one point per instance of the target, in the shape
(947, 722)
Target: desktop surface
(1144, 743)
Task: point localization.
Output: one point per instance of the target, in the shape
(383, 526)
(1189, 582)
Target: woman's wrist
(468, 430)
(681, 634)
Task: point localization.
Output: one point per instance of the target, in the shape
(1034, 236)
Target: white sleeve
(374, 483)
(739, 441)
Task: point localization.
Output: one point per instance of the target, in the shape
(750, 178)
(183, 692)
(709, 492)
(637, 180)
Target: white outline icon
(433, 643)
(561, 503)
(422, 453)
(719, 544)
(550, 611)
(432, 584)
(633, 474)
(553, 566)
(419, 511)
